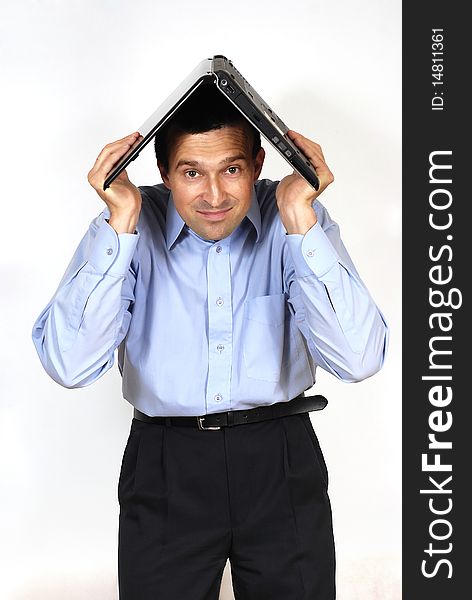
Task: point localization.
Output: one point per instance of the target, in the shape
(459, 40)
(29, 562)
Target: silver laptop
(229, 81)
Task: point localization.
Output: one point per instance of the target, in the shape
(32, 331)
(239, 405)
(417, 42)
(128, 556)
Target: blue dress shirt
(209, 326)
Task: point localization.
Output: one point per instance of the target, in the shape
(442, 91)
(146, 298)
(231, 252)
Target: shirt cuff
(312, 253)
(110, 252)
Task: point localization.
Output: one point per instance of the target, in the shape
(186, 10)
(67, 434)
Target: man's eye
(233, 170)
(192, 174)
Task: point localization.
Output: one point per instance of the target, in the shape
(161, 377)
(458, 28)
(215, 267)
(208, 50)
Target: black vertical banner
(437, 234)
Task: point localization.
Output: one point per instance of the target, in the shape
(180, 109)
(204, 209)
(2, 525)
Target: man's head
(209, 156)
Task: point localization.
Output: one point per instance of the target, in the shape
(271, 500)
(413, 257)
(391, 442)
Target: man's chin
(214, 233)
(217, 230)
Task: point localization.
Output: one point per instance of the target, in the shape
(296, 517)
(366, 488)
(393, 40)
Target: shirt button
(220, 301)
(218, 398)
(219, 249)
(220, 347)
(310, 253)
(109, 251)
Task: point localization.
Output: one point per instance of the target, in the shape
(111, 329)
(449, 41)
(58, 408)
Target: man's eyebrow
(234, 158)
(189, 163)
(195, 163)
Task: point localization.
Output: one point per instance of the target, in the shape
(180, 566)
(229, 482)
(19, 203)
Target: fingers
(108, 157)
(302, 142)
(314, 153)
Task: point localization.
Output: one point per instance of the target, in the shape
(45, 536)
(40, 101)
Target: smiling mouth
(214, 215)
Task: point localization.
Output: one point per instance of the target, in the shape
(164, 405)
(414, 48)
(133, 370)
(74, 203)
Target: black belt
(300, 404)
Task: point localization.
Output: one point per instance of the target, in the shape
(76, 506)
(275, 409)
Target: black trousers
(255, 494)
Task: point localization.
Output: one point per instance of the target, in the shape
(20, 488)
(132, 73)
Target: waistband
(214, 421)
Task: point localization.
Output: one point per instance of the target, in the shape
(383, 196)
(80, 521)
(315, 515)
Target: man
(223, 294)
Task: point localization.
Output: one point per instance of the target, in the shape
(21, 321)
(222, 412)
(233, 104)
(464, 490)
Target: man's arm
(88, 317)
(122, 197)
(345, 331)
(78, 331)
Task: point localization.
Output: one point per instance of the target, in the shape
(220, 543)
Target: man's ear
(164, 175)
(258, 162)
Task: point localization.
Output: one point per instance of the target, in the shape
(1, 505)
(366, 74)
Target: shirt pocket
(264, 333)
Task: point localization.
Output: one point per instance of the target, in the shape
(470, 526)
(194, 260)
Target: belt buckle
(202, 427)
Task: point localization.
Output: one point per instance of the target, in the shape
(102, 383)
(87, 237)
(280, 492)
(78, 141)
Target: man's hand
(294, 195)
(122, 197)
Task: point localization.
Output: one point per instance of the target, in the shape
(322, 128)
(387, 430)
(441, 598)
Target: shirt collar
(175, 224)
(254, 214)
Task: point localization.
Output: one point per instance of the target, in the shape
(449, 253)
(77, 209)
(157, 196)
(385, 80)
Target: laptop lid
(162, 114)
(220, 71)
(258, 112)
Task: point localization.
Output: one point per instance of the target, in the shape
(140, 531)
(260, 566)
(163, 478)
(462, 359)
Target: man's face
(211, 176)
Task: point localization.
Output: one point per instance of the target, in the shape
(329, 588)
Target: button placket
(219, 327)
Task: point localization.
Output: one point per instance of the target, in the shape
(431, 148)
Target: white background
(78, 74)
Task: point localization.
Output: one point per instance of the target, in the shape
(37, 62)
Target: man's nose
(215, 194)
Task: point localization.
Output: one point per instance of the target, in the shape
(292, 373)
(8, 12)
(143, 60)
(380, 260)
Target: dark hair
(205, 110)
